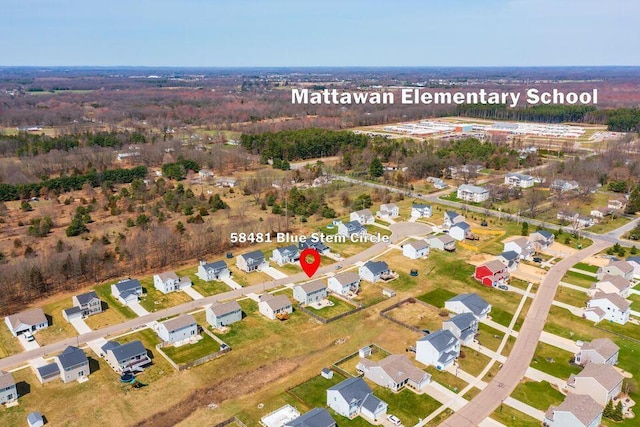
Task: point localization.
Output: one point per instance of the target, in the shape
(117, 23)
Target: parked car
(503, 287)
(394, 420)
(537, 259)
(29, 337)
(413, 272)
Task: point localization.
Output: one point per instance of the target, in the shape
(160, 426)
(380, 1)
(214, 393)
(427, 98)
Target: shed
(365, 351)
(326, 373)
(35, 419)
(388, 293)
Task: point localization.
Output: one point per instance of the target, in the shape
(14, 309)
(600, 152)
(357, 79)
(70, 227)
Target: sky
(280, 33)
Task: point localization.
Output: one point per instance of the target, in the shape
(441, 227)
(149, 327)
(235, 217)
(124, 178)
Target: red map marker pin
(310, 267)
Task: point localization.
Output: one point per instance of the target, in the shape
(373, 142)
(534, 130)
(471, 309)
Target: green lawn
(586, 267)
(58, 328)
(553, 361)
(407, 405)
(500, 316)
(473, 362)
(446, 379)
(540, 395)
(635, 301)
(437, 297)
(189, 352)
(571, 296)
(607, 224)
(514, 418)
(489, 337)
(205, 288)
(8, 343)
(154, 300)
(578, 279)
(374, 229)
(339, 307)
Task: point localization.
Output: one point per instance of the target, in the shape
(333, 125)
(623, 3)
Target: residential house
(599, 213)
(416, 249)
(8, 391)
(492, 273)
(421, 211)
(577, 410)
(205, 173)
(46, 373)
(617, 204)
(27, 321)
(611, 285)
(363, 216)
(220, 315)
(127, 291)
(84, 305)
(635, 263)
(274, 307)
(616, 268)
(541, 239)
(177, 329)
(451, 217)
(472, 193)
(610, 307)
(601, 381)
(443, 243)
(168, 282)
(72, 364)
(317, 417)
(519, 180)
(463, 326)
(372, 271)
(351, 228)
(344, 283)
(388, 211)
(440, 349)
(561, 185)
(310, 292)
(438, 183)
(252, 261)
(520, 245)
(286, 255)
(600, 350)
(315, 244)
(394, 372)
(209, 271)
(131, 356)
(511, 259)
(353, 397)
(460, 231)
(226, 182)
(468, 303)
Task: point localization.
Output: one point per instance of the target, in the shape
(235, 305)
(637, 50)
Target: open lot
(418, 315)
(554, 361)
(540, 395)
(58, 327)
(190, 352)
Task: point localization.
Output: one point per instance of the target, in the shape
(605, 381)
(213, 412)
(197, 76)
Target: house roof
(123, 352)
(179, 322)
(462, 320)
(420, 206)
(276, 302)
(520, 176)
(473, 302)
(472, 188)
(445, 239)
(312, 286)
(34, 417)
(347, 278)
(624, 266)
(33, 316)
(376, 267)
(254, 257)
(86, 298)
(215, 266)
(352, 389)
(615, 299)
(510, 255)
(635, 259)
(451, 214)
(605, 374)
(520, 241)
(398, 368)
(418, 244)
(72, 356)
(544, 233)
(364, 212)
(6, 380)
(221, 309)
(313, 244)
(353, 226)
(49, 370)
(371, 403)
(388, 207)
(619, 282)
(72, 310)
(128, 285)
(603, 346)
(168, 275)
(317, 417)
(462, 225)
(494, 265)
(288, 250)
(440, 340)
(582, 406)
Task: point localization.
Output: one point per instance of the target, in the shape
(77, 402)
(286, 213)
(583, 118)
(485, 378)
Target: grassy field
(553, 361)
(571, 296)
(58, 327)
(437, 297)
(512, 417)
(418, 315)
(540, 395)
(339, 307)
(446, 379)
(607, 224)
(407, 405)
(578, 279)
(586, 267)
(247, 279)
(189, 352)
(108, 317)
(8, 343)
(474, 362)
(154, 300)
(489, 337)
(374, 229)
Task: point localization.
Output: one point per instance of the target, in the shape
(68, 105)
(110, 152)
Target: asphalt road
(503, 384)
(400, 231)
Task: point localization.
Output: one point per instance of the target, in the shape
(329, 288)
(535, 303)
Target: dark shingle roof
(473, 302)
(126, 351)
(352, 389)
(49, 370)
(440, 340)
(128, 285)
(376, 267)
(317, 417)
(462, 320)
(215, 266)
(72, 357)
(86, 298)
(255, 257)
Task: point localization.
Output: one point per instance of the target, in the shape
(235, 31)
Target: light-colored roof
(494, 265)
(521, 241)
(615, 299)
(624, 266)
(312, 286)
(33, 316)
(472, 188)
(603, 346)
(168, 275)
(364, 212)
(179, 322)
(347, 278)
(220, 309)
(619, 282)
(605, 374)
(397, 367)
(445, 239)
(418, 244)
(582, 406)
(388, 207)
(276, 302)
(6, 380)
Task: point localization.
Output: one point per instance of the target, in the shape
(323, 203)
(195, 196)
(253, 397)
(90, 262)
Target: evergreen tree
(633, 205)
(633, 250)
(608, 410)
(525, 229)
(375, 168)
(617, 414)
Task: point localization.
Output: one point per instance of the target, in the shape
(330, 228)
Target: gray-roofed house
(520, 245)
(468, 303)
(315, 244)
(131, 356)
(394, 372)
(464, 326)
(363, 216)
(49, 372)
(635, 263)
(372, 271)
(351, 228)
(612, 285)
(515, 179)
(388, 211)
(416, 249)
(317, 417)
(472, 193)
(34, 419)
(511, 259)
(26, 321)
(600, 350)
(209, 271)
(286, 255)
(419, 210)
(460, 231)
(275, 307)
(443, 243)
(8, 391)
(127, 291)
(177, 329)
(310, 292)
(169, 281)
(252, 261)
(616, 268)
(353, 397)
(577, 410)
(601, 381)
(541, 239)
(73, 364)
(344, 283)
(223, 314)
(451, 217)
(84, 305)
(439, 349)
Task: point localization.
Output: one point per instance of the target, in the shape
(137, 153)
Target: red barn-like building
(492, 273)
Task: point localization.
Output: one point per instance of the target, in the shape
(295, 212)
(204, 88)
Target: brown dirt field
(418, 315)
(479, 259)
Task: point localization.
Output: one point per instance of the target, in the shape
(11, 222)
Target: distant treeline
(26, 144)
(617, 120)
(301, 144)
(70, 183)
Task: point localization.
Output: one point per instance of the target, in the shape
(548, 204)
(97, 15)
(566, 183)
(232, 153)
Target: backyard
(190, 352)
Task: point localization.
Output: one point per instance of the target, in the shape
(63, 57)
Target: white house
(351, 228)
(607, 307)
(275, 307)
(601, 381)
(127, 291)
(600, 350)
(541, 239)
(252, 261)
(8, 391)
(521, 246)
(617, 204)
(388, 211)
(439, 349)
(353, 397)
(416, 249)
(519, 180)
(421, 211)
(205, 173)
(635, 263)
(169, 282)
(209, 271)
(577, 410)
(561, 185)
(612, 285)
(286, 255)
(394, 372)
(442, 243)
(310, 292)
(372, 271)
(363, 216)
(616, 268)
(177, 329)
(344, 283)
(468, 303)
(131, 356)
(460, 230)
(27, 321)
(472, 193)
(464, 326)
(220, 315)
(451, 217)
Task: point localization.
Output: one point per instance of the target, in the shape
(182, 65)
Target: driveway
(232, 283)
(192, 293)
(33, 345)
(138, 309)
(276, 274)
(80, 326)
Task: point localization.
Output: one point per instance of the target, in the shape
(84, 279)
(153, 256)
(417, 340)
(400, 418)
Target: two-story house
(345, 283)
(415, 249)
(286, 255)
(209, 271)
(363, 216)
(601, 381)
(600, 350)
(577, 410)
(468, 303)
(310, 292)
(84, 305)
(353, 397)
(252, 261)
(463, 326)
(220, 315)
(169, 281)
(177, 329)
(439, 349)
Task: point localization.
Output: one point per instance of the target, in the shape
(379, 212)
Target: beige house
(616, 268)
(394, 372)
(612, 285)
(577, 410)
(601, 381)
(272, 306)
(601, 350)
